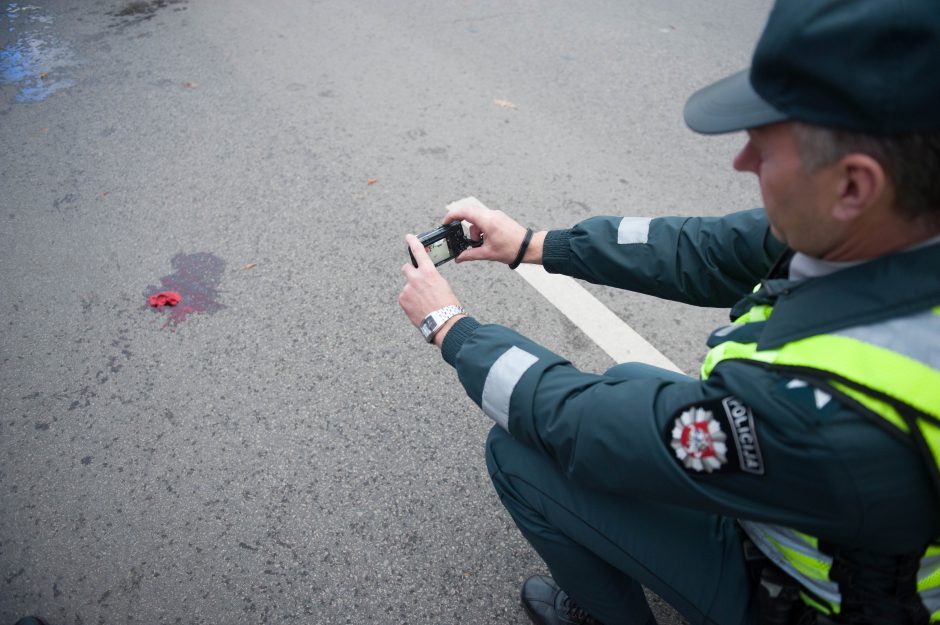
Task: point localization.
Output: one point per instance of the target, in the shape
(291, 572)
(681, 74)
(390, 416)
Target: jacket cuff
(556, 251)
(456, 336)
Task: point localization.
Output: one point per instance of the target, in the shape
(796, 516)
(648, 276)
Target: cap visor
(729, 105)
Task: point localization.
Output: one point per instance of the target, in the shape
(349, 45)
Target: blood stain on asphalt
(196, 278)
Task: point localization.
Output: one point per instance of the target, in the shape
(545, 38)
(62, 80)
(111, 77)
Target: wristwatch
(433, 322)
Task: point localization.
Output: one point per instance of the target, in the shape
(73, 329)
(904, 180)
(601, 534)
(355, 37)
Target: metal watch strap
(433, 322)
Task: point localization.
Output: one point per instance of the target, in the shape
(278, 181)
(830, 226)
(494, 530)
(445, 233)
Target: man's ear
(862, 183)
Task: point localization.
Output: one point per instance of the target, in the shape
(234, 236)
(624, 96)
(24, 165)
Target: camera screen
(438, 251)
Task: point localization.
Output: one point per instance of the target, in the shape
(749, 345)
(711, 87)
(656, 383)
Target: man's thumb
(471, 253)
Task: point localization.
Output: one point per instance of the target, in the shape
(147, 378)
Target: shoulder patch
(698, 440)
(698, 437)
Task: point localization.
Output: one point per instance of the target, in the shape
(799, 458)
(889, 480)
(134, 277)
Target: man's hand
(502, 235)
(426, 290)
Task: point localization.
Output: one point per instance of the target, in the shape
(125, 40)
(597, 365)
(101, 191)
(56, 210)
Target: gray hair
(911, 162)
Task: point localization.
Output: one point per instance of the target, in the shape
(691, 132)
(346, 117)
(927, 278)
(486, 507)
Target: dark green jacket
(820, 467)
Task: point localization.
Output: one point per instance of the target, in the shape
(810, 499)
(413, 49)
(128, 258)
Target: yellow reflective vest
(888, 371)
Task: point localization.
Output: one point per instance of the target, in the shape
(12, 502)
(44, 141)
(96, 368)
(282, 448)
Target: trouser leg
(591, 581)
(600, 547)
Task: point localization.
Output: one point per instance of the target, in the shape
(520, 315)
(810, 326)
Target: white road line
(599, 323)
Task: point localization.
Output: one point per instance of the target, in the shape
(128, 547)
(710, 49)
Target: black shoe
(547, 604)
(31, 620)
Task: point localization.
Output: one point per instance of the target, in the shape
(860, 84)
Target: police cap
(870, 66)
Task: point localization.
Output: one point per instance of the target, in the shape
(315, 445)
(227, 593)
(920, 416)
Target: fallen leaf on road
(43, 75)
(250, 266)
(189, 84)
(372, 181)
(504, 104)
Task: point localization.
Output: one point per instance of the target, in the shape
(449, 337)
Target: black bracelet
(522, 249)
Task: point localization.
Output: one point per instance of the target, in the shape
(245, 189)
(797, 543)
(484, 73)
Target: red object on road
(164, 298)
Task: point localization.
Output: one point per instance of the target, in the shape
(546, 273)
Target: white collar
(803, 266)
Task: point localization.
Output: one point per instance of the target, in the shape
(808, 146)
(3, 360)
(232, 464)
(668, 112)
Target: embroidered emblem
(698, 440)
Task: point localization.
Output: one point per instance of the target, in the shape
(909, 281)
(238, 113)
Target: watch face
(430, 323)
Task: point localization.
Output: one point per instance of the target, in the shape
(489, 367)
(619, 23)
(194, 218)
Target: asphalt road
(286, 449)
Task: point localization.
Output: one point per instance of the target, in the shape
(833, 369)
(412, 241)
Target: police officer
(796, 481)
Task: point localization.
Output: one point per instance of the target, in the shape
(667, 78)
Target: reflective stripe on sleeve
(501, 381)
(633, 230)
